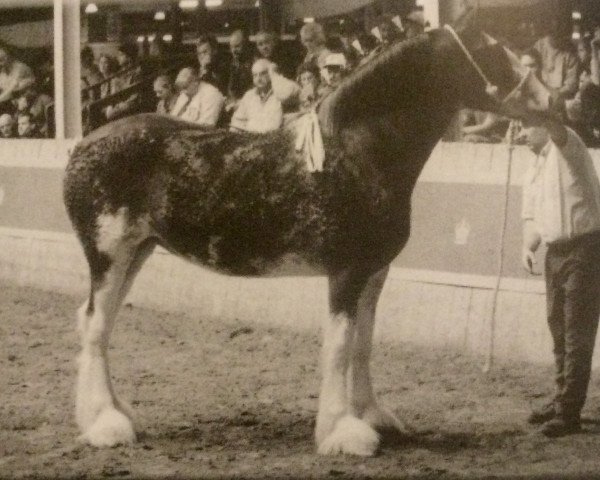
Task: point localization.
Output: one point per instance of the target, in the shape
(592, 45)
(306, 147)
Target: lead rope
(488, 84)
(512, 129)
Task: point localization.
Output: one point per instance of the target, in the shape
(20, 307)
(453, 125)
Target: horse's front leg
(361, 399)
(338, 429)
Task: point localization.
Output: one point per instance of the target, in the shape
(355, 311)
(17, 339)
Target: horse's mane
(375, 74)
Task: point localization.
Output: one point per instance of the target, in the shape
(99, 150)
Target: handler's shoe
(542, 415)
(560, 426)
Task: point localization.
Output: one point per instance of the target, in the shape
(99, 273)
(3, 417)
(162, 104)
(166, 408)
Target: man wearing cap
(199, 102)
(334, 70)
(561, 207)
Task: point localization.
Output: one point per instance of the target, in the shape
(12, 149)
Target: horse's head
(492, 77)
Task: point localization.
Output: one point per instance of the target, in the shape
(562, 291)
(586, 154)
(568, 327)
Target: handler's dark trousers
(573, 305)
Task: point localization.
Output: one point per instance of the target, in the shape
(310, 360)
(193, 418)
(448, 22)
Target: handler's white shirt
(561, 191)
(203, 108)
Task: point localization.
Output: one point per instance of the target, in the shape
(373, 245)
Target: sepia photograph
(305, 239)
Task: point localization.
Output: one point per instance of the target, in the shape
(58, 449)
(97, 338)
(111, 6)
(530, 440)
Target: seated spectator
(15, 77)
(309, 81)
(36, 104)
(199, 102)
(90, 74)
(335, 71)
(210, 68)
(312, 36)
(559, 64)
(532, 61)
(584, 55)
(107, 66)
(238, 75)
(595, 60)
(7, 126)
(388, 31)
(26, 128)
(130, 74)
(166, 94)
(414, 23)
(259, 110)
(350, 43)
(267, 46)
(583, 110)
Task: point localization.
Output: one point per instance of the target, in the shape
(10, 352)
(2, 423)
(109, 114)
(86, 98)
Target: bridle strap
(469, 56)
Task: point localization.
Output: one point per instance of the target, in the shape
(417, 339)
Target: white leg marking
(99, 413)
(101, 416)
(335, 359)
(337, 431)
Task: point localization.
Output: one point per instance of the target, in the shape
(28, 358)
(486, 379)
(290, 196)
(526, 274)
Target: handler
(561, 207)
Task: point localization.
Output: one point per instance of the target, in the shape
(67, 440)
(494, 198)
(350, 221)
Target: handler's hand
(528, 260)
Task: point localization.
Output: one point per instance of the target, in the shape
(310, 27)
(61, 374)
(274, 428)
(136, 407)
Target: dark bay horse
(241, 204)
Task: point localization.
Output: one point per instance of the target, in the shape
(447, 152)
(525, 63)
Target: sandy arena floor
(236, 400)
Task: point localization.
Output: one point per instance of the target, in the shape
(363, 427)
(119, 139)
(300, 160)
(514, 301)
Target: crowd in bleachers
(26, 111)
(251, 85)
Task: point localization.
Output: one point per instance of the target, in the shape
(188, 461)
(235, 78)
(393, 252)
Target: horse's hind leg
(118, 253)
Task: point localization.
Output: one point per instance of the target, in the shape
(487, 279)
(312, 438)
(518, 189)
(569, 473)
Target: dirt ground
(222, 400)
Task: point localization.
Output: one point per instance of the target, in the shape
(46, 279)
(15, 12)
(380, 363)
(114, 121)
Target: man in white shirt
(561, 207)
(259, 110)
(199, 102)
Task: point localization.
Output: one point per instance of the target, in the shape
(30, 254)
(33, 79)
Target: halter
(488, 84)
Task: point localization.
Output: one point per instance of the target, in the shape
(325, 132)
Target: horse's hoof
(350, 436)
(110, 429)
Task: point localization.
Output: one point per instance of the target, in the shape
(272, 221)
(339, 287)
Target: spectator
(309, 81)
(259, 110)
(414, 24)
(15, 77)
(238, 70)
(26, 128)
(130, 74)
(159, 55)
(584, 54)
(199, 101)
(334, 72)
(210, 68)
(532, 60)
(36, 104)
(559, 65)
(7, 126)
(90, 74)
(595, 60)
(388, 30)
(313, 39)
(165, 93)
(350, 43)
(107, 66)
(268, 47)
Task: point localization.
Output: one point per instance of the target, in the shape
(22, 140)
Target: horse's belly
(242, 262)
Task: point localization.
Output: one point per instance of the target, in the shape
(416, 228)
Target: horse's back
(144, 123)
